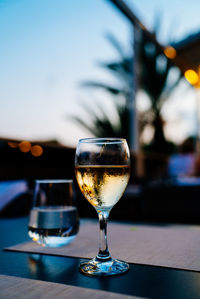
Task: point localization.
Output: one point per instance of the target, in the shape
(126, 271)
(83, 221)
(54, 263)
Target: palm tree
(154, 74)
(155, 71)
(102, 124)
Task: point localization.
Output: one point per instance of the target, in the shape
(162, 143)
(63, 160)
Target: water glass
(54, 218)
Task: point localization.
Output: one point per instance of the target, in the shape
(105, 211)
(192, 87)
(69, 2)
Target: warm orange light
(25, 146)
(36, 150)
(13, 144)
(35, 239)
(191, 76)
(170, 52)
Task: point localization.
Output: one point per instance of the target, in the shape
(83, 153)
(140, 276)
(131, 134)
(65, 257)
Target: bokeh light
(170, 52)
(36, 150)
(12, 144)
(191, 76)
(25, 146)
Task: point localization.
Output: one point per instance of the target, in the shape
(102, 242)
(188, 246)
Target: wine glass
(102, 168)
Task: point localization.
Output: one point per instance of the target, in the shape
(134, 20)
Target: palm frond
(115, 43)
(104, 86)
(124, 66)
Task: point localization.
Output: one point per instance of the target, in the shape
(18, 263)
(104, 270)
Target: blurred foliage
(154, 73)
(102, 125)
(154, 80)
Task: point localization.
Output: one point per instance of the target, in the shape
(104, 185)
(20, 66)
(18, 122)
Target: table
(142, 281)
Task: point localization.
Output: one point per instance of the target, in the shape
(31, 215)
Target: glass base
(50, 241)
(97, 267)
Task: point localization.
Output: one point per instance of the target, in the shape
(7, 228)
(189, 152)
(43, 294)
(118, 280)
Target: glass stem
(103, 253)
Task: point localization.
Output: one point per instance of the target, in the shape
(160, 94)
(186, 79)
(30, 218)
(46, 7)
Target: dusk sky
(48, 47)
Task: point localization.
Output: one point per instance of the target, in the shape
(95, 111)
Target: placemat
(17, 287)
(169, 246)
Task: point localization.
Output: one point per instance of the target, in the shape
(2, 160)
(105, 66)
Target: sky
(178, 18)
(49, 47)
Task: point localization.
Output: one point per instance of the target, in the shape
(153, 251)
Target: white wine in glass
(102, 168)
